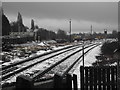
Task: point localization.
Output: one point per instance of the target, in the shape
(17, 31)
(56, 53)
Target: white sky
(53, 16)
(60, 0)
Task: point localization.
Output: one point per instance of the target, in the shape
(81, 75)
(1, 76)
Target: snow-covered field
(89, 59)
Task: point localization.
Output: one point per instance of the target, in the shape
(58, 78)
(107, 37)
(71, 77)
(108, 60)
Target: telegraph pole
(70, 30)
(91, 29)
(91, 32)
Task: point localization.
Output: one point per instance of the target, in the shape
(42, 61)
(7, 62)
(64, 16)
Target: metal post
(91, 33)
(83, 54)
(70, 30)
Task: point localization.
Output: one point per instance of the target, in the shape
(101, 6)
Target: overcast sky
(56, 15)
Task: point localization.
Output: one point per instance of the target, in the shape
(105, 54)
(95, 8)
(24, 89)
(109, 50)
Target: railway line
(18, 67)
(65, 65)
(41, 65)
(12, 67)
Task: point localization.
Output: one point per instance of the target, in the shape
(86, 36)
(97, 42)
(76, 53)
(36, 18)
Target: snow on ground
(41, 44)
(17, 59)
(41, 66)
(89, 59)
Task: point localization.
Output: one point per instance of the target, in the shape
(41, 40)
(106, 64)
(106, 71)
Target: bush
(107, 51)
(108, 48)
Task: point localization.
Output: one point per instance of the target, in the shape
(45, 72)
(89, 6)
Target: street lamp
(70, 30)
(91, 33)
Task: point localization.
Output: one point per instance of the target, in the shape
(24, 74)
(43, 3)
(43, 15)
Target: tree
(6, 29)
(19, 18)
(36, 27)
(20, 22)
(14, 26)
(18, 25)
(61, 34)
(32, 25)
(114, 33)
(45, 34)
(108, 48)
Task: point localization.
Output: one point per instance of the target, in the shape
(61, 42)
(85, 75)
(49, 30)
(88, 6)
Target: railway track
(13, 66)
(18, 67)
(63, 66)
(39, 73)
(64, 70)
(32, 58)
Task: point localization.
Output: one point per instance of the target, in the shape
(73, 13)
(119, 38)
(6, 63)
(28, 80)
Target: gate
(98, 78)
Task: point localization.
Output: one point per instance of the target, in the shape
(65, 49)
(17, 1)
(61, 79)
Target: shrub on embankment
(106, 56)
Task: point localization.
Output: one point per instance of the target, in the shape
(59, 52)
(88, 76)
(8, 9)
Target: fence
(98, 78)
(92, 78)
(59, 82)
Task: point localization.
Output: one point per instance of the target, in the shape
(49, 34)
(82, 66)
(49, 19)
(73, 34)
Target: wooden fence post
(69, 81)
(24, 83)
(112, 78)
(99, 78)
(108, 78)
(86, 77)
(118, 78)
(91, 78)
(82, 77)
(57, 82)
(75, 82)
(95, 78)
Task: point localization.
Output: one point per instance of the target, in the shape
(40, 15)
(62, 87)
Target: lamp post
(91, 33)
(70, 30)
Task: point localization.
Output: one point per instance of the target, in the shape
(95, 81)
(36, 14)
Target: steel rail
(26, 67)
(40, 74)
